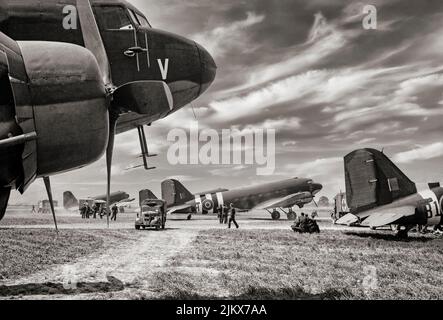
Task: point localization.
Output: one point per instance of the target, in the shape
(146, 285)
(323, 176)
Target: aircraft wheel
(275, 215)
(402, 234)
(189, 217)
(291, 216)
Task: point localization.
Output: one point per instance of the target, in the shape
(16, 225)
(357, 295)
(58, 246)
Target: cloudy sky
(309, 70)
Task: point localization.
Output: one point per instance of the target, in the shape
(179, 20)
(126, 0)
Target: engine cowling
(69, 105)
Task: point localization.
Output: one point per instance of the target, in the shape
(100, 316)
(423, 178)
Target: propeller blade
(51, 200)
(4, 198)
(315, 202)
(92, 38)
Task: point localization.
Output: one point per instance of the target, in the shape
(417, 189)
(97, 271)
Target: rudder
(373, 180)
(146, 195)
(69, 200)
(174, 193)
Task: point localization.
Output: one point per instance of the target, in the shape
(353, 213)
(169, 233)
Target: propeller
(51, 200)
(143, 97)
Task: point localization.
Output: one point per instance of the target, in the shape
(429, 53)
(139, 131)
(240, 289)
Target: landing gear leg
(51, 200)
(4, 198)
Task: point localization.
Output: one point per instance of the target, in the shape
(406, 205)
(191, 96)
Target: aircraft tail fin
(373, 180)
(174, 193)
(146, 195)
(69, 200)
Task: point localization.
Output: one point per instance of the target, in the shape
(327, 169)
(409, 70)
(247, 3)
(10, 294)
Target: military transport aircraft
(67, 90)
(270, 197)
(120, 198)
(149, 195)
(379, 194)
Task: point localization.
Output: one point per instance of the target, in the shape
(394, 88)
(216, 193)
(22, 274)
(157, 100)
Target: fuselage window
(113, 18)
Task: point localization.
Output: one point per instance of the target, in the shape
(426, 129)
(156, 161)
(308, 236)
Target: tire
(189, 217)
(402, 234)
(137, 227)
(275, 215)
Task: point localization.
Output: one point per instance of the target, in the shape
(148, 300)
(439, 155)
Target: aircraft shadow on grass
(388, 237)
(49, 288)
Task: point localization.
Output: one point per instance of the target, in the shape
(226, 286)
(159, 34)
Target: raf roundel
(208, 204)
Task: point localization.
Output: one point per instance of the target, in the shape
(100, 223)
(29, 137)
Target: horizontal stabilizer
(347, 220)
(388, 216)
(434, 185)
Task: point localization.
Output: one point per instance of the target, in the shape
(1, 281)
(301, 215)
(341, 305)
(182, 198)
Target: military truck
(152, 215)
(340, 206)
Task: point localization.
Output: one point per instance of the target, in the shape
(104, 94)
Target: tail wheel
(275, 215)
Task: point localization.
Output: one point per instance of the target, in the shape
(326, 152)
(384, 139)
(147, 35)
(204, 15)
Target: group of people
(97, 210)
(305, 224)
(224, 213)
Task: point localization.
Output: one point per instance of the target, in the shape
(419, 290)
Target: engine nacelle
(69, 105)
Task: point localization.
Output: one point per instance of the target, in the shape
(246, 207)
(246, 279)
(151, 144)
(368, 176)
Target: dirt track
(123, 272)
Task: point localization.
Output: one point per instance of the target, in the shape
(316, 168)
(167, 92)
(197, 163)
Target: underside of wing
(388, 216)
(285, 202)
(179, 209)
(347, 220)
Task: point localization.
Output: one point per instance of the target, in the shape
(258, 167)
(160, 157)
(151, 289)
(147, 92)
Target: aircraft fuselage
(245, 199)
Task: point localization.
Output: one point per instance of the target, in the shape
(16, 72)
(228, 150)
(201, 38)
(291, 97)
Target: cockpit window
(143, 21)
(113, 18)
(133, 17)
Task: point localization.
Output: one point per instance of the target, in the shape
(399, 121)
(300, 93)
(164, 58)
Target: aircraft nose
(316, 187)
(208, 68)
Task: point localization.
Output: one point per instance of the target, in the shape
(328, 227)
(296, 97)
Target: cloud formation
(309, 70)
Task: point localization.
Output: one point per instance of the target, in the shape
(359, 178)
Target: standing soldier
(225, 214)
(33, 210)
(83, 210)
(96, 209)
(221, 211)
(232, 216)
(114, 212)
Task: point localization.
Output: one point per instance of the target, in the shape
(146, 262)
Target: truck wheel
(275, 215)
(137, 227)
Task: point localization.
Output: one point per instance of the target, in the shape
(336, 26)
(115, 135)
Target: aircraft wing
(285, 202)
(347, 220)
(124, 203)
(175, 209)
(388, 216)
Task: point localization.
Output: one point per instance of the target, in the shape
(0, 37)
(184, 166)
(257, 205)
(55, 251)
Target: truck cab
(152, 215)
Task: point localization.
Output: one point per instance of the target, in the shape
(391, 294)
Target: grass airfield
(201, 259)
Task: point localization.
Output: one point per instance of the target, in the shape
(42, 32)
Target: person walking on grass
(232, 216)
(114, 213)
